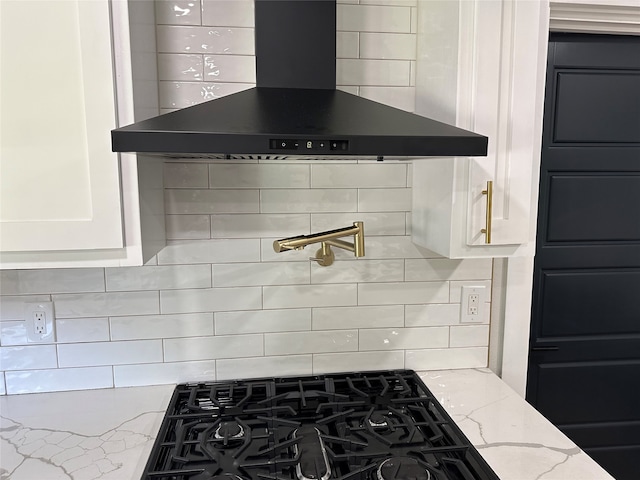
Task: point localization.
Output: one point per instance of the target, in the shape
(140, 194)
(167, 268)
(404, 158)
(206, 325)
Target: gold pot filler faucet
(324, 255)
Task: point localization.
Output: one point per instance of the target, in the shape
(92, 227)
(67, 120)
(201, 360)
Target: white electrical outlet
(472, 304)
(40, 322)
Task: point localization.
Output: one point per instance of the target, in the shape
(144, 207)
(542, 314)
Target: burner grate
(356, 426)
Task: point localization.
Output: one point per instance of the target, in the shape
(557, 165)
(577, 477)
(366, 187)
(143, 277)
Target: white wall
(217, 302)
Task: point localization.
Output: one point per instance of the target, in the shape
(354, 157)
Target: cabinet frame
(139, 186)
(494, 86)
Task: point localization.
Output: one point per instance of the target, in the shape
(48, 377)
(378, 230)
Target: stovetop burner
(382, 425)
(402, 468)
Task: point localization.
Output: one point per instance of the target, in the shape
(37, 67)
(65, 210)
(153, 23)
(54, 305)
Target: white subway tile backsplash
(403, 293)
(383, 223)
(446, 269)
(193, 201)
(445, 358)
(360, 270)
(384, 199)
(292, 343)
(256, 225)
(53, 280)
(403, 98)
(404, 3)
(162, 373)
(230, 68)
(211, 40)
(186, 175)
(309, 200)
(180, 67)
(264, 367)
(397, 46)
(352, 89)
(432, 315)
(310, 296)
(161, 326)
(373, 18)
(469, 336)
(232, 13)
(404, 338)
(414, 20)
(211, 348)
(109, 353)
(412, 78)
(13, 333)
(59, 380)
(224, 176)
(395, 247)
(210, 251)
(99, 304)
(187, 227)
(210, 299)
(351, 71)
(31, 357)
(9, 283)
(356, 361)
(361, 176)
(73, 330)
(178, 12)
(3, 390)
(337, 318)
(158, 277)
(186, 94)
(250, 274)
(263, 321)
(347, 45)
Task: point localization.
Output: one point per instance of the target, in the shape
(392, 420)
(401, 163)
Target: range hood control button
(316, 145)
(342, 145)
(282, 144)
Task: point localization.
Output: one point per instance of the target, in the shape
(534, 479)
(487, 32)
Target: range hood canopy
(295, 109)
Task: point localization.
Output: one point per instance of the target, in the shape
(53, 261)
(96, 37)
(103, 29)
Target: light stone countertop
(107, 434)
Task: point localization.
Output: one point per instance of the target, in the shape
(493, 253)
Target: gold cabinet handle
(489, 193)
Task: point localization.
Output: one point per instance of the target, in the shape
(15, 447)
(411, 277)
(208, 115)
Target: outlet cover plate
(30, 312)
(470, 313)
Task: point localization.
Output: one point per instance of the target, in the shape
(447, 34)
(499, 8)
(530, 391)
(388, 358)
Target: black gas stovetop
(383, 425)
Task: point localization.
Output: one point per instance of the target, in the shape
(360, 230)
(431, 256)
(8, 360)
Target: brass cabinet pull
(489, 193)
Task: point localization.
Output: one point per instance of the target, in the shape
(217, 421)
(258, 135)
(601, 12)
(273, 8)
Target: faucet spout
(330, 237)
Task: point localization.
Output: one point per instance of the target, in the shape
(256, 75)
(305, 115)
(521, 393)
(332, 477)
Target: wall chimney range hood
(295, 110)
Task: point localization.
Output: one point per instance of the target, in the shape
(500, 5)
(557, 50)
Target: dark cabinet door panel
(590, 302)
(592, 207)
(589, 105)
(605, 433)
(621, 461)
(588, 390)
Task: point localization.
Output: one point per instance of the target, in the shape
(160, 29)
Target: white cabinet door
(490, 79)
(59, 180)
(68, 68)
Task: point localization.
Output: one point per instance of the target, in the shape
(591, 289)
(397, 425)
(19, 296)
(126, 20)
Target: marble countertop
(107, 434)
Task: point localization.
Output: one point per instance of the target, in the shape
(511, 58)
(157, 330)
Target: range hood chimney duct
(295, 110)
(295, 44)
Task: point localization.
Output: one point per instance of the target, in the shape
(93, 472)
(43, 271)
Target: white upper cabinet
(481, 65)
(63, 201)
